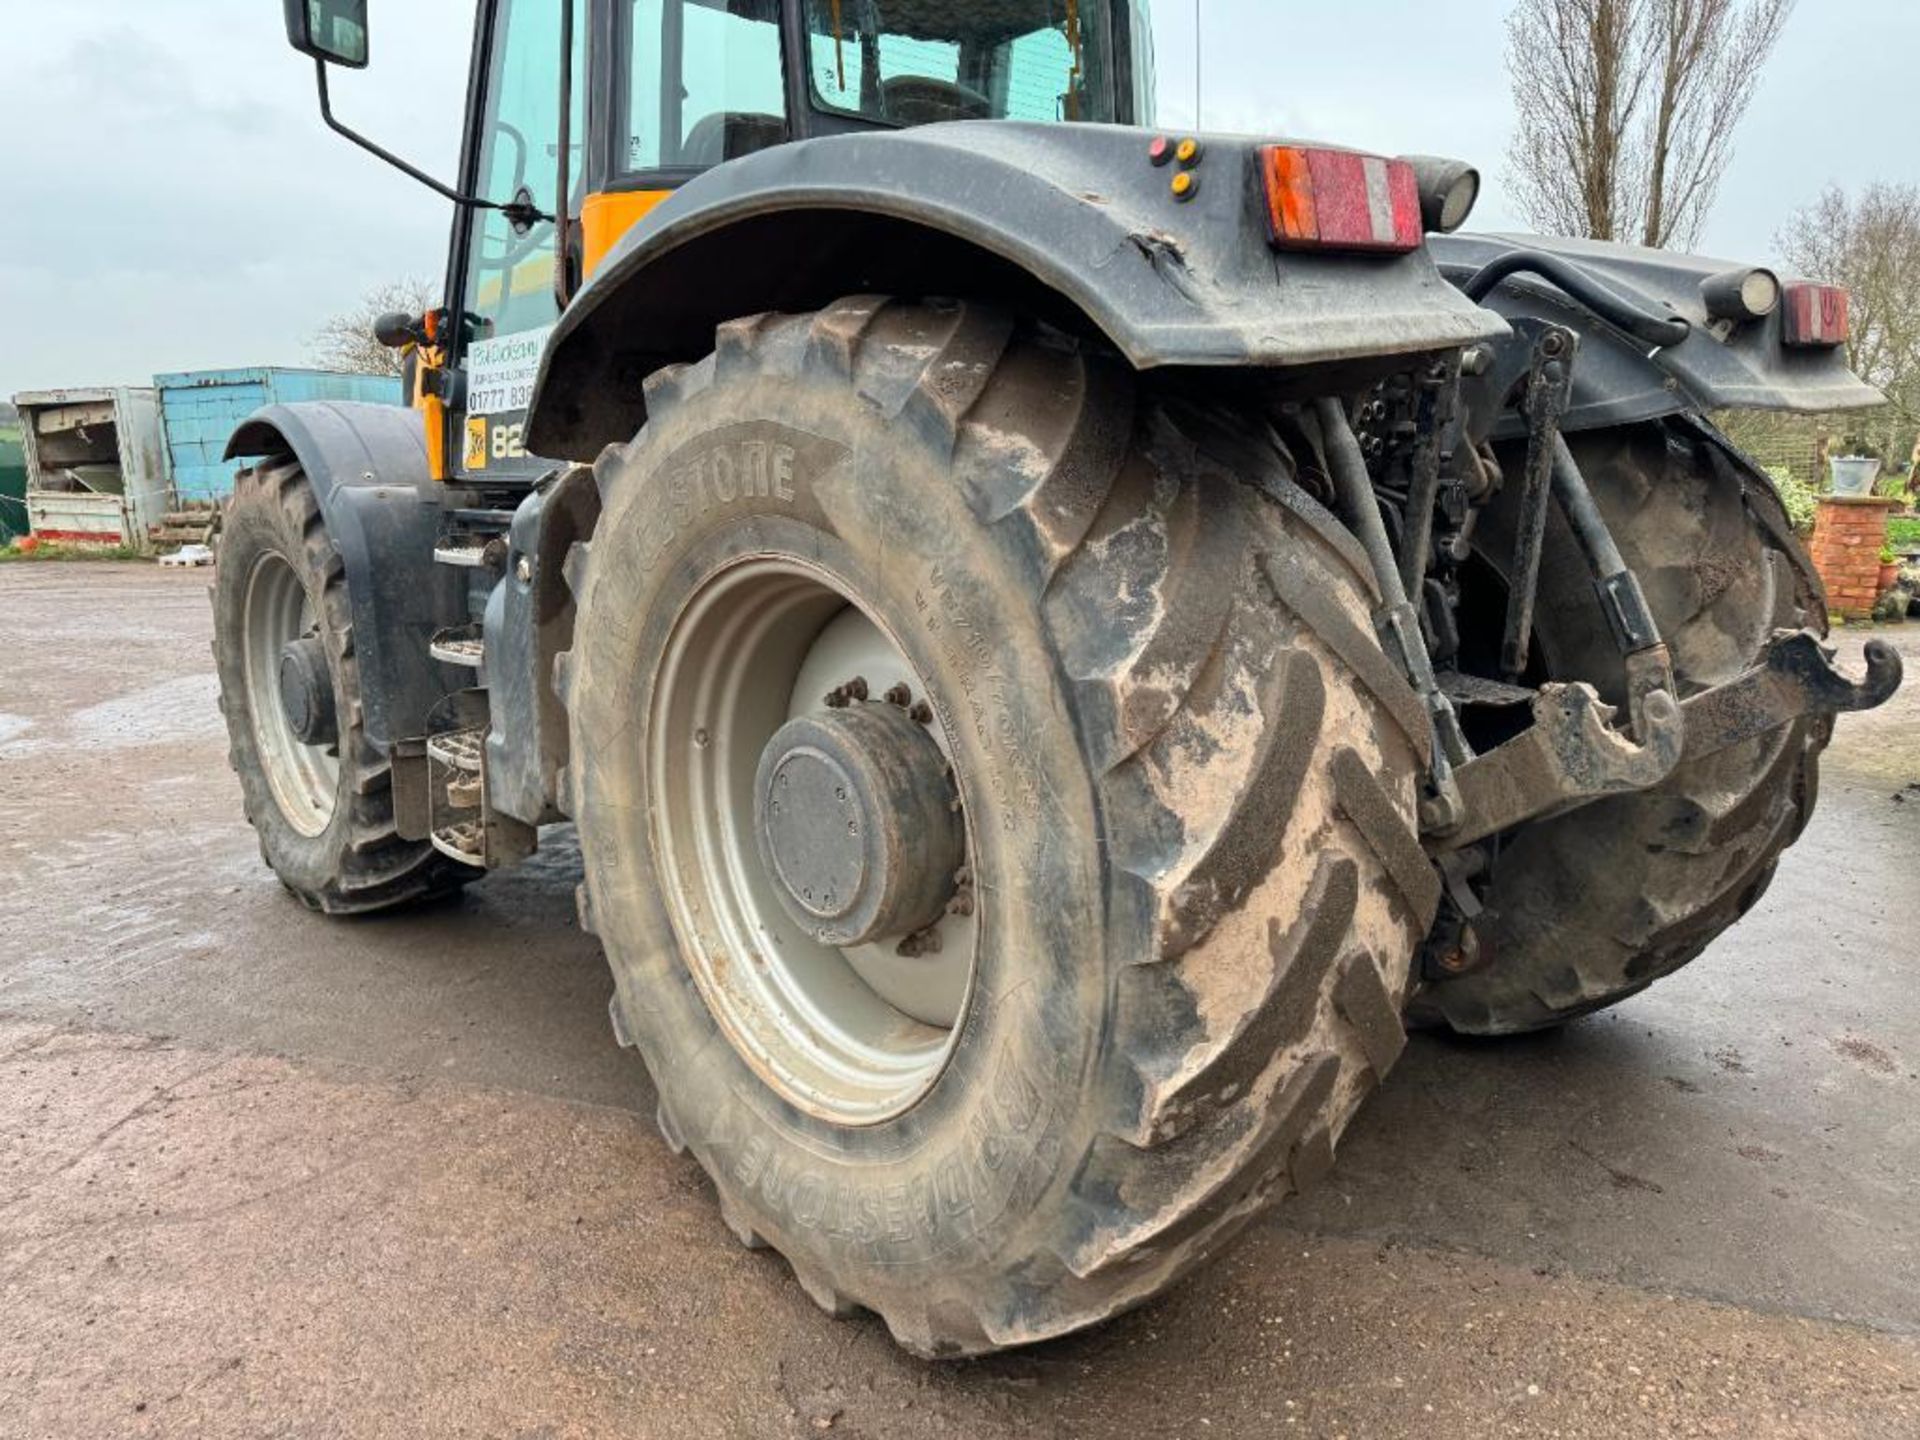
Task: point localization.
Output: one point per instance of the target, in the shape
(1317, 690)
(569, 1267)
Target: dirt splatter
(1731, 1060)
(1758, 1153)
(1685, 1087)
(1867, 1055)
(1622, 1179)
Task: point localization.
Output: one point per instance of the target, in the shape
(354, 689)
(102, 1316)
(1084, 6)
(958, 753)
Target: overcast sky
(176, 203)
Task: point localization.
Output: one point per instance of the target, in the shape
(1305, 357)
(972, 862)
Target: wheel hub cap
(857, 823)
(306, 692)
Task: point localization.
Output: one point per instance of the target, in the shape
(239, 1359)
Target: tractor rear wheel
(1595, 905)
(315, 788)
(997, 814)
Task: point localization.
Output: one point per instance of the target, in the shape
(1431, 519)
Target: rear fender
(1073, 223)
(367, 465)
(1619, 380)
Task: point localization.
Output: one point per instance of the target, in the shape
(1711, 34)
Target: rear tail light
(1339, 200)
(1816, 316)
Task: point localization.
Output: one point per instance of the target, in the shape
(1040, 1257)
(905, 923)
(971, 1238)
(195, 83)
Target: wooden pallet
(185, 527)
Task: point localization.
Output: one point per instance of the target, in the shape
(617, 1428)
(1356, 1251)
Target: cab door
(501, 300)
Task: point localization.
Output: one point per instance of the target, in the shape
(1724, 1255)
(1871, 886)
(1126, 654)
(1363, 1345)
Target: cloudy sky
(176, 203)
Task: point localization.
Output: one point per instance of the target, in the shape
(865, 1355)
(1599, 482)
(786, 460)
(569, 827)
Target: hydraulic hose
(1585, 287)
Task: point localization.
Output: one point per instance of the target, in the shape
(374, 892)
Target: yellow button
(1188, 152)
(1184, 185)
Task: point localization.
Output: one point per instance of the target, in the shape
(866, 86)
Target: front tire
(323, 811)
(1185, 772)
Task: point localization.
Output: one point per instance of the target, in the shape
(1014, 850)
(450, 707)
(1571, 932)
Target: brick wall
(1847, 535)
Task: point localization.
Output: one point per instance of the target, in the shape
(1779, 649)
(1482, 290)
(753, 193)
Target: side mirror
(331, 30)
(397, 329)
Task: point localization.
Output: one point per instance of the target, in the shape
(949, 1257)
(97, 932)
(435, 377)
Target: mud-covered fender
(1070, 222)
(1619, 380)
(368, 468)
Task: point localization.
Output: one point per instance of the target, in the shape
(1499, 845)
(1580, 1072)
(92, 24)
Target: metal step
(470, 551)
(464, 841)
(459, 645)
(461, 750)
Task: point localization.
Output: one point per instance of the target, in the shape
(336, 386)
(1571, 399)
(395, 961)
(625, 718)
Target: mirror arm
(513, 210)
(563, 200)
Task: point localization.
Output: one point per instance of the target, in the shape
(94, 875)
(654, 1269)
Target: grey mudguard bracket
(1070, 222)
(1621, 380)
(367, 465)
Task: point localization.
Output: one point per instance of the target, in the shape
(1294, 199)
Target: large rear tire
(324, 811)
(1593, 906)
(1185, 773)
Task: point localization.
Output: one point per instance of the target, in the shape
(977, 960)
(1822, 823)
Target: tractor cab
(564, 158)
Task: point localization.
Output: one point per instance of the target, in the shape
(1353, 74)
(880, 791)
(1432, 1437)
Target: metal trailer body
(96, 463)
(200, 410)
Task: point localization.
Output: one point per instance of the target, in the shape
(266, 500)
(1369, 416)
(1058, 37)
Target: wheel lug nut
(921, 713)
(898, 695)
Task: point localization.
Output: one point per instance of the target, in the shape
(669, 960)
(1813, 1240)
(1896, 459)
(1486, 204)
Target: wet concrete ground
(266, 1174)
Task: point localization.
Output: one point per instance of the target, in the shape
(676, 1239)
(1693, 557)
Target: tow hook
(1795, 677)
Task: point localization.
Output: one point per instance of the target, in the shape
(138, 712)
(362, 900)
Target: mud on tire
(1596, 905)
(352, 861)
(1188, 778)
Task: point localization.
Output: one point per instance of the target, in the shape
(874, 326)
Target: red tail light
(1340, 200)
(1816, 316)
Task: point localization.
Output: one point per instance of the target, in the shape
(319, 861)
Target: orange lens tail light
(1340, 200)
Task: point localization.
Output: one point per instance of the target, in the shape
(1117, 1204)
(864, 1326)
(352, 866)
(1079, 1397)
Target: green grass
(13, 554)
(1903, 532)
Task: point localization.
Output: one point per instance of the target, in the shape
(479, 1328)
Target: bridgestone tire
(1188, 776)
(1596, 905)
(357, 863)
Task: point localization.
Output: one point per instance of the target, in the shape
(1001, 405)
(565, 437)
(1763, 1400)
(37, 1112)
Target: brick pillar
(1848, 531)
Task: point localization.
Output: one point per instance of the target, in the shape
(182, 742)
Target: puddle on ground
(184, 708)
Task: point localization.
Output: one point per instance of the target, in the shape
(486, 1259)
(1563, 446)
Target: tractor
(1059, 640)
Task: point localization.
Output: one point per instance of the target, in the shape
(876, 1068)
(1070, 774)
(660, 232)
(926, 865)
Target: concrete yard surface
(266, 1174)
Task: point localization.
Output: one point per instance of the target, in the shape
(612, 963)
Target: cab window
(510, 272)
(705, 82)
(913, 62)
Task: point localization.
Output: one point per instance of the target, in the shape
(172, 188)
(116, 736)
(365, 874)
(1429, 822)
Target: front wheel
(315, 788)
(997, 815)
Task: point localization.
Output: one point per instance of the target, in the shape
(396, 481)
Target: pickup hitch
(1570, 755)
(1573, 755)
(1795, 677)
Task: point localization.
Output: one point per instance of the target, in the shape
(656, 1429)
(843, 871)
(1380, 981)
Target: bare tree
(1576, 93)
(1872, 247)
(345, 341)
(1627, 109)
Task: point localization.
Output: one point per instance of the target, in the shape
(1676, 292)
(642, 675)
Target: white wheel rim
(854, 1035)
(304, 779)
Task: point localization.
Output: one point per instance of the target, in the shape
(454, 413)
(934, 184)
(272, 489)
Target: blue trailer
(201, 409)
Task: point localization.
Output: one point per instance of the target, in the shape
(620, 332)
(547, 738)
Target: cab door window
(509, 285)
